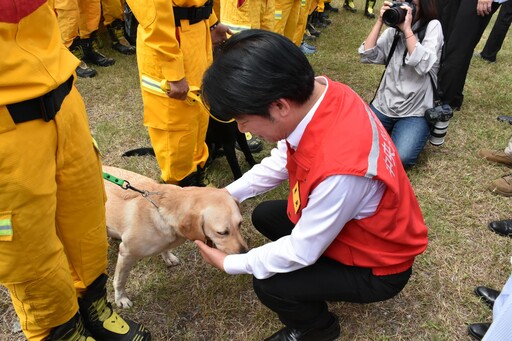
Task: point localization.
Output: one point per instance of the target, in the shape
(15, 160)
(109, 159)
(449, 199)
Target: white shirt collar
(296, 135)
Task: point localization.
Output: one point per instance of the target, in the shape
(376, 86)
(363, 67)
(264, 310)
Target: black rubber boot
(328, 7)
(82, 70)
(368, 9)
(349, 6)
(196, 179)
(117, 35)
(102, 321)
(91, 53)
(73, 330)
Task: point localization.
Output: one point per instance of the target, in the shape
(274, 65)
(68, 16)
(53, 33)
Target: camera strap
(396, 37)
(420, 31)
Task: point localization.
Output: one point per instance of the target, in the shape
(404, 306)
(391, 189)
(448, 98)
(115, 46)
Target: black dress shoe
(502, 227)
(297, 334)
(487, 295)
(478, 330)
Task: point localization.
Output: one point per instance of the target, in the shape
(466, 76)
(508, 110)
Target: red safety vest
(345, 137)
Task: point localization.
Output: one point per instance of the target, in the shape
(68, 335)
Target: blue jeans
(409, 134)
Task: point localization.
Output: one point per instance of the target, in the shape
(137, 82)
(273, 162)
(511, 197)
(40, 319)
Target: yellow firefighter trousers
(286, 17)
(176, 128)
(54, 240)
(251, 14)
(112, 10)
(77, 18)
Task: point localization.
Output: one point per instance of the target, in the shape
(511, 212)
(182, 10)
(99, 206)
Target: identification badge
(296, 197)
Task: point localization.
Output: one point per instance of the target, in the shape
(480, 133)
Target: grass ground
(196, 302)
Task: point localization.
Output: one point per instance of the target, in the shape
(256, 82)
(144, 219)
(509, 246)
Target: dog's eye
(223, 233)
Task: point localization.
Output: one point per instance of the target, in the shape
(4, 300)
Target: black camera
(396, 14)
(438, 118)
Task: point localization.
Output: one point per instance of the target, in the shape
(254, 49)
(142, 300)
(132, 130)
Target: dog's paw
(170, 259)
(124, 302)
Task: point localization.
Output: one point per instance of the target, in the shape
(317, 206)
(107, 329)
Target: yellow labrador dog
(165, 218)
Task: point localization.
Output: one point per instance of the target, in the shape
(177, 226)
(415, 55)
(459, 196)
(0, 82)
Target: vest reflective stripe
(373, 156)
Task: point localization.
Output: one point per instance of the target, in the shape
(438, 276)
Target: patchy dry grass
(196, 302)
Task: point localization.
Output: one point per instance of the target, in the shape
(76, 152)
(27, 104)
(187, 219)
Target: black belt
(45, 107)
(192, 14)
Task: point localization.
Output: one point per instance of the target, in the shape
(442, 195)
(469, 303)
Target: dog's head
(214, 215)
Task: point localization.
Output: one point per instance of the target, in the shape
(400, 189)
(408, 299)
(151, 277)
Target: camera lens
(394, 16)
(438, 133)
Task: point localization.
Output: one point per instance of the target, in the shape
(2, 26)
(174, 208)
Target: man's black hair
(253, 69)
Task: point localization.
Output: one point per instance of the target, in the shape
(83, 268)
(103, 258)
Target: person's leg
(282, 12)
(267, 15)
(33, 263)
(501, 328)
(177, 128)
(467, 30)
(386, 121)
(270, 219)
(410, 134)
(90, 15)
(498, 33)
(299, 297)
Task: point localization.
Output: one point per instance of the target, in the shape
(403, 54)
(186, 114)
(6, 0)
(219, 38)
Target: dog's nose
(243, 249)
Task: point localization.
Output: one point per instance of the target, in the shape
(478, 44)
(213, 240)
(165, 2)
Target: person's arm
(375, 48)
(262, 177)
(335, 201)
(426, 55)
(371, 40)
(406, 28)
(156, 19)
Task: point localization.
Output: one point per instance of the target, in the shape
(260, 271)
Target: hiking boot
(91, 53)
(328, 7)
(308, 36)
(82, 70)
(85, 71)
(502, 186)
(496, 156)
(368, 11)
(312, 30)
(324, 18)
(196, 179)
(349, 6)
(317, 21)
(102, 321)
(118, 37)
(73, 330)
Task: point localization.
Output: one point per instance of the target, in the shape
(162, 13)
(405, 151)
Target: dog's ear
(191, 227)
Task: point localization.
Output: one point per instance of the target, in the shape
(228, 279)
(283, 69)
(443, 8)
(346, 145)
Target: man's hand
(483, 7)
(210, 255)
(219, 34)
(178, 90)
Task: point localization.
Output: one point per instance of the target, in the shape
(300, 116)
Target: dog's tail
(140, 152)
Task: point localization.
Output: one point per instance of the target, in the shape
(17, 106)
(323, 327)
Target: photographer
(406, 90)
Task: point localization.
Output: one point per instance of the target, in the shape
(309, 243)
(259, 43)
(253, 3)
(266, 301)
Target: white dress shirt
(335, 201)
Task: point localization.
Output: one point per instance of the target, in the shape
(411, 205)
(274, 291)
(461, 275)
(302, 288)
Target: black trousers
(299, 297)
(498, 33)
(462, 28)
